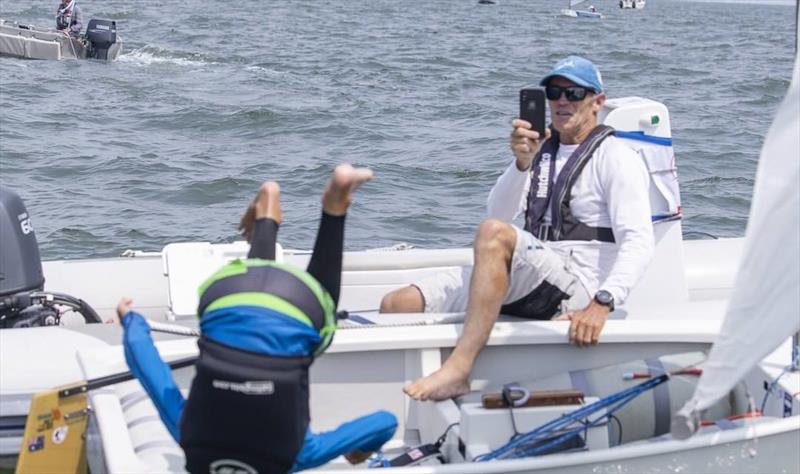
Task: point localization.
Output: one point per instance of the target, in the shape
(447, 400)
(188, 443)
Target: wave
(214, 191)
(148, 55)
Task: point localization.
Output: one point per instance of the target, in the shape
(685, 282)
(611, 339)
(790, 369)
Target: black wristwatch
(605, 298)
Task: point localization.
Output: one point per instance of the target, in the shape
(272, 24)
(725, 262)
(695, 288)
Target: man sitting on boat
(586, 241)
(262, 324)
(69, 18)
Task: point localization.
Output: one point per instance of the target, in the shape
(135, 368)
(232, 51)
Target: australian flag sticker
(36, 444)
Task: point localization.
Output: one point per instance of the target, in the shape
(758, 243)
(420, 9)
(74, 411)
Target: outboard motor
(20, 263)
(101, 35)
(23, 302)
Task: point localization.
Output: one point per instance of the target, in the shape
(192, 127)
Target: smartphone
(532, 107)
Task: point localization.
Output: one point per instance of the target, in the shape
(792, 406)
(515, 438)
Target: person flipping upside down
(262, 324)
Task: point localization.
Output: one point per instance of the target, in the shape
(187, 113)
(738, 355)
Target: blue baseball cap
(579, 70)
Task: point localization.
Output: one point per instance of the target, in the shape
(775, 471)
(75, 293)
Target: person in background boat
(586, 241)
(69, 18)
(262, 324)
(592, 9)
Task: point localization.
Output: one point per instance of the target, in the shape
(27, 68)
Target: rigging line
(615, 400)
(772, 385)
(187, 331)
(69, 38)
(573, 432)
(619, 425)
(443, 437)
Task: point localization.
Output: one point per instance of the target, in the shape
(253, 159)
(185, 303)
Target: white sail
(763, 309)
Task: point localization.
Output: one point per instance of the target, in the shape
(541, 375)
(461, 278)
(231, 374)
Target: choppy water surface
(209, 99)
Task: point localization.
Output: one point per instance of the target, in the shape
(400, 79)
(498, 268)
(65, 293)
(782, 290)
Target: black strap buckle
(544, 232)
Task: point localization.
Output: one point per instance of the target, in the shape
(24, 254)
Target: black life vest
(547, 189)
(296, 294)
(245, 410)
(65, 18)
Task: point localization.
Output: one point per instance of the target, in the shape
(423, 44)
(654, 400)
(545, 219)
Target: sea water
(209, 99)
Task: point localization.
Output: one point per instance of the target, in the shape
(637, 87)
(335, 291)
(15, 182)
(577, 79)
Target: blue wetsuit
(246, 334)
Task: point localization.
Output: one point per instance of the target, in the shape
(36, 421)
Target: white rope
(452, 319)
(172, 329)
(69, 38)
(187, 331)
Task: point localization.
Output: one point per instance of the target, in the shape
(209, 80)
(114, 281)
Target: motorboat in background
(590, 12)
(24, 41)
(633, 4)
(669, 322)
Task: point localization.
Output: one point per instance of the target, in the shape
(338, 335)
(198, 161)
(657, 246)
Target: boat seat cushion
(150, 439)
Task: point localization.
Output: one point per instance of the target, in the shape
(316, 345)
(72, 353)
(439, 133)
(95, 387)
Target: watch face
(604, 297)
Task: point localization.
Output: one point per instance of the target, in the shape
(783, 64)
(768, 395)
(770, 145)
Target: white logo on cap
(566, 63)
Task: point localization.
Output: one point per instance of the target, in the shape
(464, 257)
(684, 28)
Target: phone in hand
(532, 108)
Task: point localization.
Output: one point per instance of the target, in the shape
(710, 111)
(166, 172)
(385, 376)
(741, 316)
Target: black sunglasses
(574, 93)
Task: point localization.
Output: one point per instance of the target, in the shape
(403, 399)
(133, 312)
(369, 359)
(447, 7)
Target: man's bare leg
(338, 192)
(266, 204)
(494, 247)
(408, 299)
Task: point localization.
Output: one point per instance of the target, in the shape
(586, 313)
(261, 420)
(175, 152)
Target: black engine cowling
(101, 34)
(20, 263)
(23, 302)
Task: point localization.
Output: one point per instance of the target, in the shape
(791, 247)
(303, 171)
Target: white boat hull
(377, 362)
(366, 369)
(582, 14)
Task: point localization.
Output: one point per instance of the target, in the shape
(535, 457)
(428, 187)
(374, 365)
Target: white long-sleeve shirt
(611, 191)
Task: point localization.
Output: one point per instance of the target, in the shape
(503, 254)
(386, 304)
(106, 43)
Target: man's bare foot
(267, 203)
(339, 191)
(443, 384)
(357, 457)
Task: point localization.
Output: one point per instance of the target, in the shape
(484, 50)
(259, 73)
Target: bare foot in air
(339, 191)
(267, 203)
(447, 382)
(123, 307)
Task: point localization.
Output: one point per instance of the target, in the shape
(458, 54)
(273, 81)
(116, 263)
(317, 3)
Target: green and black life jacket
(275, 286)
